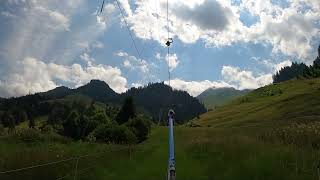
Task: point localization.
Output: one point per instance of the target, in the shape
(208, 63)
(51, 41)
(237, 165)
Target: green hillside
(213, 97)
(291, 101)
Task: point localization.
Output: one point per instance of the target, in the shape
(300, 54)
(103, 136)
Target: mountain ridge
(154, 99)
(213, 97)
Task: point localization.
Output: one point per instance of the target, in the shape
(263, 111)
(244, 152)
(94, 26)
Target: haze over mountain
(213, 97)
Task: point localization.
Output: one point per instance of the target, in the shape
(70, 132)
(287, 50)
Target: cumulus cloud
(31, 75)
(272, 66)
(7, 14)
(104, 17)
(283, 64)
(133, 63)
(242, 79)
(50, 30)
(89, 47)
(86, 57)
(209, 15)
(194, 88)
(290, 30)
(231, 77)
(172, 61)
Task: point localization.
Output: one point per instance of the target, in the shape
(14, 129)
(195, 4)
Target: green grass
(201, 153)
(273, 105)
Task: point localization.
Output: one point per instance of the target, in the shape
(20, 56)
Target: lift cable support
(171, 162)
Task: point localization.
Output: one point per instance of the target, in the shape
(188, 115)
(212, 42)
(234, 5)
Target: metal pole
(172, 162)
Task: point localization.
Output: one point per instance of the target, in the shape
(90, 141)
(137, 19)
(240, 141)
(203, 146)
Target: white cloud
(85, 57)
(244, 79)
(209, 15)
(290, 30)
(158, 56)
(232, 77)
(133, 63)
(194, 88)
(51, 19)
(136, 85)
(127, 64)
(7, 14)
(271, 66)
(126, 6)
(89, 47)
(283, 64)
(50, 30)
(104, 17)
(97, 45)
(31, 75)
(172, 61)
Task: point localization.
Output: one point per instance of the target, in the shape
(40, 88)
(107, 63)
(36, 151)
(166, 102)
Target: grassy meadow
(201, 153)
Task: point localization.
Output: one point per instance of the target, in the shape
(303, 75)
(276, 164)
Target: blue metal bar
(172, 162)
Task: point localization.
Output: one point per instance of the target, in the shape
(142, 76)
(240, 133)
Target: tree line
(298, 70)
(90, 122)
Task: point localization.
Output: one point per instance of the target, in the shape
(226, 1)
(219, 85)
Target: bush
(30, 135)
(103, 133)
(47, 129)
(123, 135)
(140, 127)
(2, 130)
(111, 133)
(54, 137)
(91, 138)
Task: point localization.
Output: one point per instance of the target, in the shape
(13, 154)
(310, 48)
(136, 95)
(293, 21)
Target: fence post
(318, 170)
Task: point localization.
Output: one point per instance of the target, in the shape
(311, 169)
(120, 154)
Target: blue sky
(217, 43)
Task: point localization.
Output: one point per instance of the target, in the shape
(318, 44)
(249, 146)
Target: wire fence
(75, 172)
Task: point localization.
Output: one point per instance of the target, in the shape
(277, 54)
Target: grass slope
(296, 100)
(201, 153)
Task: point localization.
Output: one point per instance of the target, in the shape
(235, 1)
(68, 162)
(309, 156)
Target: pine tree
(127, 111)
(32, 123)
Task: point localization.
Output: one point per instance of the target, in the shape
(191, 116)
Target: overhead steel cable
(102, 6)
(37, 166)
(130, 33)
(168, 43)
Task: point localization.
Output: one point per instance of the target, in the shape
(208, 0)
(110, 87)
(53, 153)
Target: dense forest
(82, 119)
(158, 98)
(299, 70)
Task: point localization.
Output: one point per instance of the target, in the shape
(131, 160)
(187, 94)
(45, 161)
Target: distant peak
(61, 88)
(97, 81)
